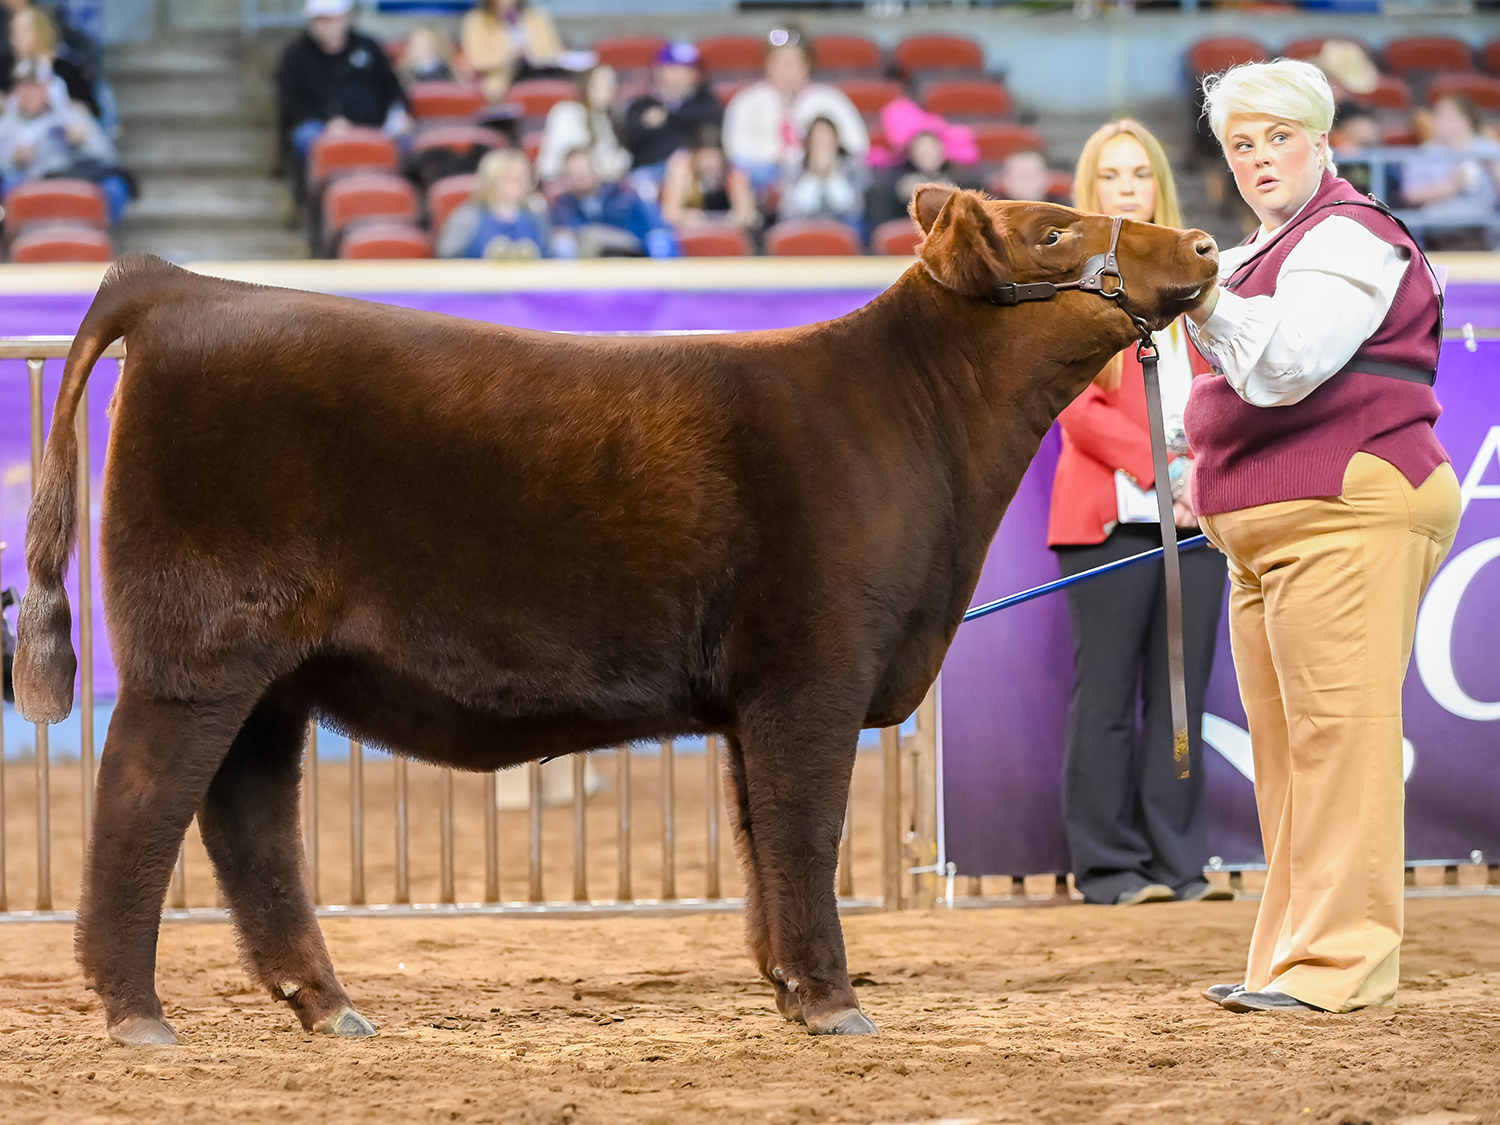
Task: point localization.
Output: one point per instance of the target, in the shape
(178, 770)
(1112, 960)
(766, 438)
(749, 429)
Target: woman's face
(822, 146)
(1450, 128)
(1276, 164)
(1127, 185)
(602, 86)
(511, 185)
(927, 153)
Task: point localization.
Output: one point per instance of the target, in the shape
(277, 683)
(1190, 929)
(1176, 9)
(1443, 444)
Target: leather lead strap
(1146, 352)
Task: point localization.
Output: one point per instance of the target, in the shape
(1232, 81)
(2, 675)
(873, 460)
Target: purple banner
(1007, 678)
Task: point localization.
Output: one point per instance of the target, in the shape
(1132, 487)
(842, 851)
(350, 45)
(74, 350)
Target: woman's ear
(963, 250)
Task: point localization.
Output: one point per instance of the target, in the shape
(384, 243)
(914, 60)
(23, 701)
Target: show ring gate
(907, 822)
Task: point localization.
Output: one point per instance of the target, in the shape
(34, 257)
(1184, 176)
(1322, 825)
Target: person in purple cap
(667, 119)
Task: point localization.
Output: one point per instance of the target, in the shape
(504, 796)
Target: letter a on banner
(1471, 489)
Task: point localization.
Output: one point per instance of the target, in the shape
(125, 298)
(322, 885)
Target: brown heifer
(770, 537)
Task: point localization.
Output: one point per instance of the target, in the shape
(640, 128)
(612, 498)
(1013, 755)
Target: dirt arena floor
(1066, 1014)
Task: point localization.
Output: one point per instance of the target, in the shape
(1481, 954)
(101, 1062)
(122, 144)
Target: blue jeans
(305, 134)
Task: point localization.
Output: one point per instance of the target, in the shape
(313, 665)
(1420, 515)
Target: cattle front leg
(757, 929)
(797, 778)
(157, 761)
(251, 830)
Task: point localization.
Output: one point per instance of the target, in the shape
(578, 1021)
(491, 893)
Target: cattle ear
(963, 249)
(927, 202)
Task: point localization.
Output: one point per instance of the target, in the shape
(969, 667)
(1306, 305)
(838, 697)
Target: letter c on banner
(1434, 640)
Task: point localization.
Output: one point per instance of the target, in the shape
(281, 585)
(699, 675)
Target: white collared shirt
(1333, 291)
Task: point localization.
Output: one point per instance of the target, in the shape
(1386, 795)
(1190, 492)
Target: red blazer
(1100, 434)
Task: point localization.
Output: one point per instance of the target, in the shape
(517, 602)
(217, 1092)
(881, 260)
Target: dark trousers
(1130, 820)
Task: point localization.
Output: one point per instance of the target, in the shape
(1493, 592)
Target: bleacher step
(168, 201)
(215, 244)
(216, 150)
(170, 103)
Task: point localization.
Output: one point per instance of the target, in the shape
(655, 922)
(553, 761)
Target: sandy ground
(1068, 1014)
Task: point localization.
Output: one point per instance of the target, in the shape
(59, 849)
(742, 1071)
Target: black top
(649, 145)
(357, 83)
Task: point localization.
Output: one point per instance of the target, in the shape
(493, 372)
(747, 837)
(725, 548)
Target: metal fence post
(491, 838)
(890, 820)
(43, 762)
(668, 821)
(356, 823)
(85, 624)
(447, 893)
(924, 803)
(534, 839)
(711, 802)
(623, 892)
(580, 766)
(403, 867)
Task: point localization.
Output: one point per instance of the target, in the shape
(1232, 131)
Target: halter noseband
(1095, 271)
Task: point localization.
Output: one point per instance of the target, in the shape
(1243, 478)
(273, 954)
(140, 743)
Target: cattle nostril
(1207, 248)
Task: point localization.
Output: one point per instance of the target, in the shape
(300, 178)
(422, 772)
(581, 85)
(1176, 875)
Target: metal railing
(906, 822)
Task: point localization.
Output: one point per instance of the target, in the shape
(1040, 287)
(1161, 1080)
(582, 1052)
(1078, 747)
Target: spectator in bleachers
(505, 41)
(587, 123)
(1456, 179)
(701, 188)
(34, 50)
(765, 123)
(829, 184)
(427, 57)
(40, 138)
(927, 161)
(501, 221)
(1023, 175)
(332, 77)
(593, 218)
(1354, 131)
(667, 119)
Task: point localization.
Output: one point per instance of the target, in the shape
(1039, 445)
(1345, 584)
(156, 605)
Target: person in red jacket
(1137, 833)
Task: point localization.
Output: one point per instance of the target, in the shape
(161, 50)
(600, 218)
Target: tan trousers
(1322, 607)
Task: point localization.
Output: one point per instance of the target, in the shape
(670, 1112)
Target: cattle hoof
(143, 1031)
(846, 1021)
(346, 1023)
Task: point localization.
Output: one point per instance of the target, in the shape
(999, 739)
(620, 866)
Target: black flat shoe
(1221, 992)
(1266, 1002)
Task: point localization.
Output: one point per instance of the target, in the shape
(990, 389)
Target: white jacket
(757, 118)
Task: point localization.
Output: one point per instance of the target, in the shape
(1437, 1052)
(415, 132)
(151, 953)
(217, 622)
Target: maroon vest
(1248, 455)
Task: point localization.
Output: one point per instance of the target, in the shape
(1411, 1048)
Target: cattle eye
(1052, 237)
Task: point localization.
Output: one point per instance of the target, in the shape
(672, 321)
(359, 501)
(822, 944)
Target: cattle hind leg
(797, 770)
(251, 829)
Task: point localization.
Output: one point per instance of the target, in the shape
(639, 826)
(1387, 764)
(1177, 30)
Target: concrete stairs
(197, 129)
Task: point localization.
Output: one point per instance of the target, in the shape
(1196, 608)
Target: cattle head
(974, 245)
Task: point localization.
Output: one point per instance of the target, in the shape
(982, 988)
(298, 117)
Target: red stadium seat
(458, 138)
(535, 96)
(629, 52)
(967, 98)
(896, 237)
(1480, 89)
(355, 150)
(386, 240)
(445, 196)
(1399, 135)
(368, 195)
(923, 54)
(721, 56)
(1389, 93)
(1490, 55)
(76, 202)
(1305, 49)
(61, 244)
(714, 244)
(871, 95)
(444, 101)
(1209, 56)
(1431, 52)
(811, 238)
(531, 144)
(853, 56)
(999, 139)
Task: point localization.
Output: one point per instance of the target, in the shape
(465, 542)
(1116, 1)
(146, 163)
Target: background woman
(499, 222)
(1137, 833)
(587, 123)
(1319, 476)
(505, 41)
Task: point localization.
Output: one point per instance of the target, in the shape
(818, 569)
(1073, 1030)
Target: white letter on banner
(1434, 641)
(1471, 489)
(1233, 744)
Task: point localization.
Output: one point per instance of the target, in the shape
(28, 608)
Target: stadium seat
(61, 244)
(444, 101)
(75, 202)
(1490, 55)
(714, 244)
(444, 197)
(531, 144)
(1432, 52)
(458, 138)
(725, 56)
(871, 95)
(896, 237)
(1060, 185)
(1389, 93)
(1481, 89)
(356, 150)
(629, 52)
(961, 99)
(999, 139)
(386, 240)
(1399, 135)
(811, 238)
(1209, 56)
(367, 195)
(535, 96)
(848, 56)
(927, 54)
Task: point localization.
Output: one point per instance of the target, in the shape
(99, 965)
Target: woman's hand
(1183, 514)
(1207, 302)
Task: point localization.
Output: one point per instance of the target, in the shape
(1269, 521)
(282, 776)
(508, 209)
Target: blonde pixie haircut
(1086, 177)
(1287, 89)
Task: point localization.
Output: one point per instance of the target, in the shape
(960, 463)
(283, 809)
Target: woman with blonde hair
(1136, 832)
(499, 221)
(1320, 477)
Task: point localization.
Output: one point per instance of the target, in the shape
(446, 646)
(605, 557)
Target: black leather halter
(1099, 269)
